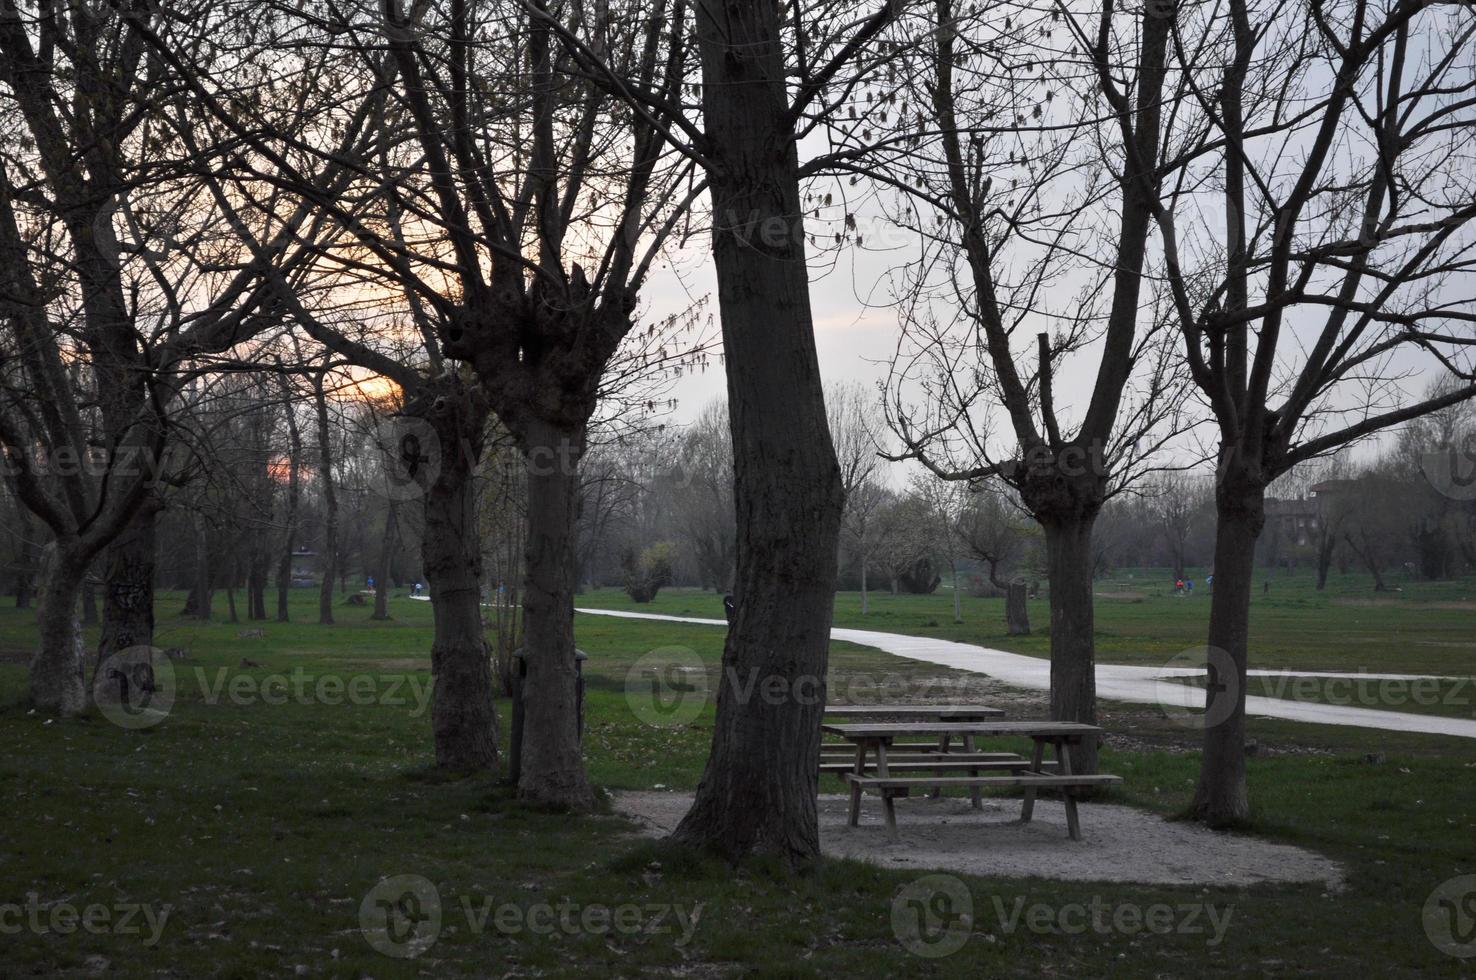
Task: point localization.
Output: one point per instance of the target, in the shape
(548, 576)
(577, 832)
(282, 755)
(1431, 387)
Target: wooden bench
(1033, 775)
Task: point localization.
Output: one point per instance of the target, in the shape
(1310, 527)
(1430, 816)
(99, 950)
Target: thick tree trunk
(758, 791)
(89, 601)
(463, 715)
(128, 587)
(56, 682)
(1222, 798)
(1073, 647)
(25, 573)
(552, 760)
(256, 578)
(1017, 613)
(553, 763)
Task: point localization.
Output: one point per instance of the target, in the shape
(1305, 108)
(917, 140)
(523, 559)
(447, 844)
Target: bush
(645, 576)
(920, 578)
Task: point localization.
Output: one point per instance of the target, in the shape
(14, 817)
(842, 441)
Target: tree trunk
(89, 601)
(56, 684)
(553, 763)
(864, 606)
(200, 600)
(463, 715)
(381, 577)
(1221, 798)
(957, 596)
(1324, 560)
(128, 587)
(758, 791)
(25, 573)
(1073, 650)
(1017, 613)
(329, 566)
(289, 529)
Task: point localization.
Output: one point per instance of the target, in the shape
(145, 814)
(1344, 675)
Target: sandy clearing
(1120, 843)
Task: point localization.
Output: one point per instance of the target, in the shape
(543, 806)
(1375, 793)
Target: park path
(1143, 685)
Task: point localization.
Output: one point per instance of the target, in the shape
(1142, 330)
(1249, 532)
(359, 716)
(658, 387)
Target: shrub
(645, 576)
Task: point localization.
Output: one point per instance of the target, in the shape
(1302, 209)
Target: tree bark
(128, 589)
(758, 792)
(25, 573)
(56, 684)
(1073, 647)
(463, 715)
(1221, 798)
(89, 601)
(553, 764)
(1017, 613)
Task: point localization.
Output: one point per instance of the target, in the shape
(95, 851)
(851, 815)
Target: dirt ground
(1120, 844)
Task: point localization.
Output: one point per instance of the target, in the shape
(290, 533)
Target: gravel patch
(1120, 843)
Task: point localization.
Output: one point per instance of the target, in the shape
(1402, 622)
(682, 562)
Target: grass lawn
(262, 822)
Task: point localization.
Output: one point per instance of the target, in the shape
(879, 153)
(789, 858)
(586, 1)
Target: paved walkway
(1143, 685)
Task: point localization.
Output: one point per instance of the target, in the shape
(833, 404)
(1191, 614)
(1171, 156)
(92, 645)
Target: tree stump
(1017, 616)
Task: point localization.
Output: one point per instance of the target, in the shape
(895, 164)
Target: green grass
(264, 825)
(1425, 629)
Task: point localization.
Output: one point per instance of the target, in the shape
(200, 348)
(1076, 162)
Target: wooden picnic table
(921, 712)
(877, 737)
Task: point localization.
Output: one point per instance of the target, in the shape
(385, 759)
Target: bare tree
(856, 427)
(1026, 164)
(97, 312)
(1333, 143)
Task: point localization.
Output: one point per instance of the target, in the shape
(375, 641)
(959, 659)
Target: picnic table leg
(1063, 760)
(888, 805)
(859, 770)
(974, 796)
(1036, 760)
(943, 743)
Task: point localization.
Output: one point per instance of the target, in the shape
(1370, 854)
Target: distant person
(1189, 586)
(1266, 587)
(729, 609)
(1210, 581)
(1178, 586)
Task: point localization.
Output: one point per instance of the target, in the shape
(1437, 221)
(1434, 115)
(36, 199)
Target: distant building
(1293, 521)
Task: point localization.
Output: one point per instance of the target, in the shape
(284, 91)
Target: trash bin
(520, 671)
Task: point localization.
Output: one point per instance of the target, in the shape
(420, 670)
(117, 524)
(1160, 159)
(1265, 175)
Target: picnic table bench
(837, 758)
(984, 769)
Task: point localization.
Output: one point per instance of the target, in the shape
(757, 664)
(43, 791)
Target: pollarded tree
(114, 288)
(531, 211)
(1319, 250)
(1032, 180)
